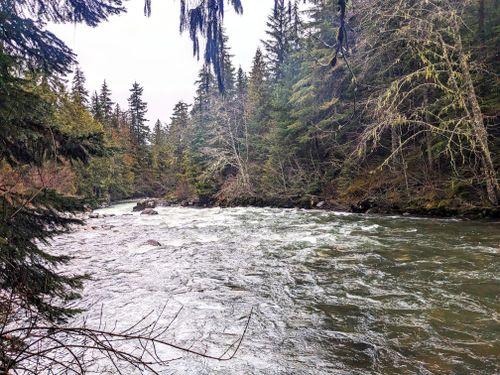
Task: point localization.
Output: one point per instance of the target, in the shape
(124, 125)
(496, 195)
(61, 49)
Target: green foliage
(38, 128)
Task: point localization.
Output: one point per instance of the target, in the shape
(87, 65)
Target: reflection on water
(332, 293)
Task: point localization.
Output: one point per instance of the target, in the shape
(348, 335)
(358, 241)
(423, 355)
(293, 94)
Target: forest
(370, 106)
(404, 121)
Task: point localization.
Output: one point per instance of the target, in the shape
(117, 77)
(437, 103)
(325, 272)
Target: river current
(330, 293)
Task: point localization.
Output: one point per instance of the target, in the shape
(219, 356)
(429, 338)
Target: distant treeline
(405, 119)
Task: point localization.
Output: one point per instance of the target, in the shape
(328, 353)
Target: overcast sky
(131, 47)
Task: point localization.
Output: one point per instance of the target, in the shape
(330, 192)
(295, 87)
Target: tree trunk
(481, 135)
(428, 136)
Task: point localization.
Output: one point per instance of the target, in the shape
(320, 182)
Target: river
(331, 293)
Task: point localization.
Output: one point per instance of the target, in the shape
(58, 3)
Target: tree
(427, 86)
(205, 19)
(178, 132)
(96, 108)
(32, 135)
(279, 33)
(137, 110)
(78, 91)
(257, 111)
(106, 104)
(24, 38)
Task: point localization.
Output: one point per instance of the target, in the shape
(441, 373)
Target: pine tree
(96, 108)
(241, 83)
(158, 157)
(202, 112)
(117, 117)
(106, 104)
(178, 130)
(279, 31)
(227, 68)
(78, 92)
(33, 134)
(257, 111)
(137, 110)
(157, 137)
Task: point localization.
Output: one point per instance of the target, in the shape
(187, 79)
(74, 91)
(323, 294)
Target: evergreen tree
(257, 111)
(137, 110)
(96, 108)
(157, 137)
(241, 83)
(117, 117)
(33, 134)
(279, 31)
(202, 112)
(227, 68)
(178, 130)
(78, 92)
(106, 104)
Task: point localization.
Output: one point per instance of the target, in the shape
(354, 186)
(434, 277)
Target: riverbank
(367, 206)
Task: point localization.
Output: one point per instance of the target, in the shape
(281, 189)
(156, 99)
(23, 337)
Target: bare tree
(430, 92)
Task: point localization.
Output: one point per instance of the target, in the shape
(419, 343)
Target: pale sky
(132, 47)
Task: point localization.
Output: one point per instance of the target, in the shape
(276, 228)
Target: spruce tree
(137, 110)
(227, 68)
(279, 32)
(203, 107)
(117, 116)
(96, 108)
(158, 157)
(79, 94)
(106, 104)
(33, 135)
(241, 82)
(258, 94)
(179, 128)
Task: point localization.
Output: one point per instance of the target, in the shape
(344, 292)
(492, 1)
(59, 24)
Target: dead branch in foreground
(57, 349)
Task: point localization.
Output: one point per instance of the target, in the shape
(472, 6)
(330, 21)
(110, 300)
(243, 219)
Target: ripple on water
(332, 293)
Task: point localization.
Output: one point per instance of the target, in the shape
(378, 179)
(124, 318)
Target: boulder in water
(144, 204)
(94, 215)
(149, 211)
(153, 243)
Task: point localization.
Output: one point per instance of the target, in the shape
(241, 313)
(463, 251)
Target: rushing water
(331, 293)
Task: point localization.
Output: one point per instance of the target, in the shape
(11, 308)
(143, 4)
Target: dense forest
(389, 106)
(404, 121)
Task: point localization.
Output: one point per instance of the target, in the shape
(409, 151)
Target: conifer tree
(257, 111)
(137, 110)
(182, 166)
(79, 93)
(157, 137)
(241, 82)
(279, 31)
(178, 130)
(32, 135)
(96, 108)
(117, 117)
(202, 112)
(106, 104)
(227, 68)
(158, 157)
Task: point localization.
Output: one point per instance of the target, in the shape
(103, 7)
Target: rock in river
(144, 204)
(149, 211)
